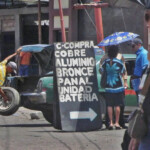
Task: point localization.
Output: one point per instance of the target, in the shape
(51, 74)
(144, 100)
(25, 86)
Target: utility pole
(39, 23)
(62, 22)
(99, 23)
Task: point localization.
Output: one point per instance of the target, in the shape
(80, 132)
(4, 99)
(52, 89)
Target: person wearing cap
(141, 61)
(6, 69)
(13, 67)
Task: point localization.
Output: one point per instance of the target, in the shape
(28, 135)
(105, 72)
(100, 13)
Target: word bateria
(78, 97)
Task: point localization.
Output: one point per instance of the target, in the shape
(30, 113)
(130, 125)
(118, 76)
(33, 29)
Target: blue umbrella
(117, 38)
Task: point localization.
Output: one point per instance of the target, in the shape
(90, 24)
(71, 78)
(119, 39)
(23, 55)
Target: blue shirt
(114, 75)
(141, 61)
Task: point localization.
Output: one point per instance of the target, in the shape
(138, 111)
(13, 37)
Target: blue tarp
(34, 48)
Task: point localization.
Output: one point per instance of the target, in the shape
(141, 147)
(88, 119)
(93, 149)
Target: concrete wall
(123, 15)
(15, 14)
(124, 18)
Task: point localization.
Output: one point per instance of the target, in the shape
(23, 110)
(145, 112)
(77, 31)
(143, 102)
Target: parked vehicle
(30, 95)
(36, 91)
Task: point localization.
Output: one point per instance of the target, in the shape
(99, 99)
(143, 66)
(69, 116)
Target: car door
(130, 95)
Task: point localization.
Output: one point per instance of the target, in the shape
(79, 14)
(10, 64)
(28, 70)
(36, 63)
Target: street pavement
(20, 132)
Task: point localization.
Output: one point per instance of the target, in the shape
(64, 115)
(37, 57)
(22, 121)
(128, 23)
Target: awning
(35, 48)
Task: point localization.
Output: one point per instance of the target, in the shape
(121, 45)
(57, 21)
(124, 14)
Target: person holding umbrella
(121, 119)
(116, 39)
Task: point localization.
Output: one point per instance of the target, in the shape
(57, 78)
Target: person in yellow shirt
(6, 69)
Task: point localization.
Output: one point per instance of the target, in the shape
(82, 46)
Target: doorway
(7, 44)
(30, 34)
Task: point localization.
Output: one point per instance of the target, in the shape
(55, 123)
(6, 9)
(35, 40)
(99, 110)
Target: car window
(130, 66)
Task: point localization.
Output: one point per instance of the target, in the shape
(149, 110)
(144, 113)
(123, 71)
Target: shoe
(124, 127)
(110, 128)
(118, 127)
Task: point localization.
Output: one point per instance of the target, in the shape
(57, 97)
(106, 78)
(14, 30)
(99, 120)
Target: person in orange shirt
(25, 58)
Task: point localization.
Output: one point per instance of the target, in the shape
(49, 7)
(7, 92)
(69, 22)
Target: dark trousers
(137, 93)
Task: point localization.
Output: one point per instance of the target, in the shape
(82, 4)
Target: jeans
(145, 142)
(24, 70)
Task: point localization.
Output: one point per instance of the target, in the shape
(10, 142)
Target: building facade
(19, 24)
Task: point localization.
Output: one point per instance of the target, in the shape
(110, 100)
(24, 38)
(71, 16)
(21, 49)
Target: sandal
(118, 127)
(110, 127)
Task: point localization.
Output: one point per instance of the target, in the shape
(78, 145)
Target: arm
(143, 62)
(3, 94)
(125, 73)
(134, 144)
(101, 62)
(10, 56)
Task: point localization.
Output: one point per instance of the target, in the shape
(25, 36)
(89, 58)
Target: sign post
(76, 88)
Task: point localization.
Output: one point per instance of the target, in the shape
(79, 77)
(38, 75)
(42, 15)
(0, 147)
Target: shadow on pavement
(26, 125)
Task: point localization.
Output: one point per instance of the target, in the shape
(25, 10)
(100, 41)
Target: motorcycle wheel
(9, 107)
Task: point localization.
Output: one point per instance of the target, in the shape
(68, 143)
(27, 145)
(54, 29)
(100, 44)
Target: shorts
(115, 99)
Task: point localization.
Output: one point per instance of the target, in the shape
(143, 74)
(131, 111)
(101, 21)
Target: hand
(141, 99)
(18, 50)
(125, 85)
(134, 144)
